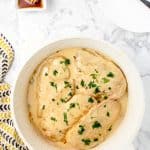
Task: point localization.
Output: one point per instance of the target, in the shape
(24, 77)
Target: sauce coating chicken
(77, 97)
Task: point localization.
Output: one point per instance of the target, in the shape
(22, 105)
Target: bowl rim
(138, 79)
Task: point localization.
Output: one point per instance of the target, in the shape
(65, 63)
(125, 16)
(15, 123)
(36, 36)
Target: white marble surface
(74, 18)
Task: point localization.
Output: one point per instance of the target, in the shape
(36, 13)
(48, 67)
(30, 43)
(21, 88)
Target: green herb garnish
(109, 88)
(96, 125)
(110, 128)
(63, 100)
(70, 94)
(97, 90)
(105, 80)
(105, 106)
(96, 71)
(82, 83)
(108, 114)
(92, 84)
(92, 117)
(91, 100)
(77, 87)
(46, 74)
(65, 118)
(43, 107)
(81, 129)
(98, 101)
(94, 76)
(105, 97)
(54, 85)
(55, 72)
(95, 139)
(67, 84)
(110, 74)
(66, 62)
(53, 99)
(86, 141)
(72, 105)
(53, 119)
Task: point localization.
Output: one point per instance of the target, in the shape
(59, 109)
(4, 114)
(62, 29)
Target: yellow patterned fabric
(9, 138)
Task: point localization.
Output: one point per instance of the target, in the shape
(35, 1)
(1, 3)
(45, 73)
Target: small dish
(32, 8)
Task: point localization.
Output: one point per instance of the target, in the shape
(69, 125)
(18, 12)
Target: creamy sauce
(77, 98)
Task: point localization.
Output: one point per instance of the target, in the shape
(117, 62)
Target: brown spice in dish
(24, 4)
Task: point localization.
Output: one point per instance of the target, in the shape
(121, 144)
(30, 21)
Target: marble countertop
(74, 18)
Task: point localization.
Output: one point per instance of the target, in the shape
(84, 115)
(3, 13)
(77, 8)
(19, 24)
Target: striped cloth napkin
(9, 138)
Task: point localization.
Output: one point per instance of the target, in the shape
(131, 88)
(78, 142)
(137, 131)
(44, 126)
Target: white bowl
(130, 125)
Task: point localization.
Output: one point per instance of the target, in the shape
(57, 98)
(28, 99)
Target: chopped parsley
(109, 88)
(110, 128)
(65, 118)
(105, 106)
(98, 101)
(92, 84)
(96, 124)
(72, 105)
(46, 74)
(108, 114)
(105, 80)
(81, 129)
(54, 85)
(63, 100)
(96, 71)
(86, 141)
(66, 62)
(82, 83)
(95, 139)
(77, 87)
(70, 94)
(93, 117)
(97, 90)
(53, 99)
(105, 97)
(74, 57)
(43, 107)
(55, 72)
(93, 75)
(91, 100)
(67, 84)
(53, 119)
(110, 75)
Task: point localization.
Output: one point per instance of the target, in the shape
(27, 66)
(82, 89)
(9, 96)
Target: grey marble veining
(75, 18)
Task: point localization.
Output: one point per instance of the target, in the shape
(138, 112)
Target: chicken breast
(98, 76)
(92, 129)
(56, 122)
(52, 76)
